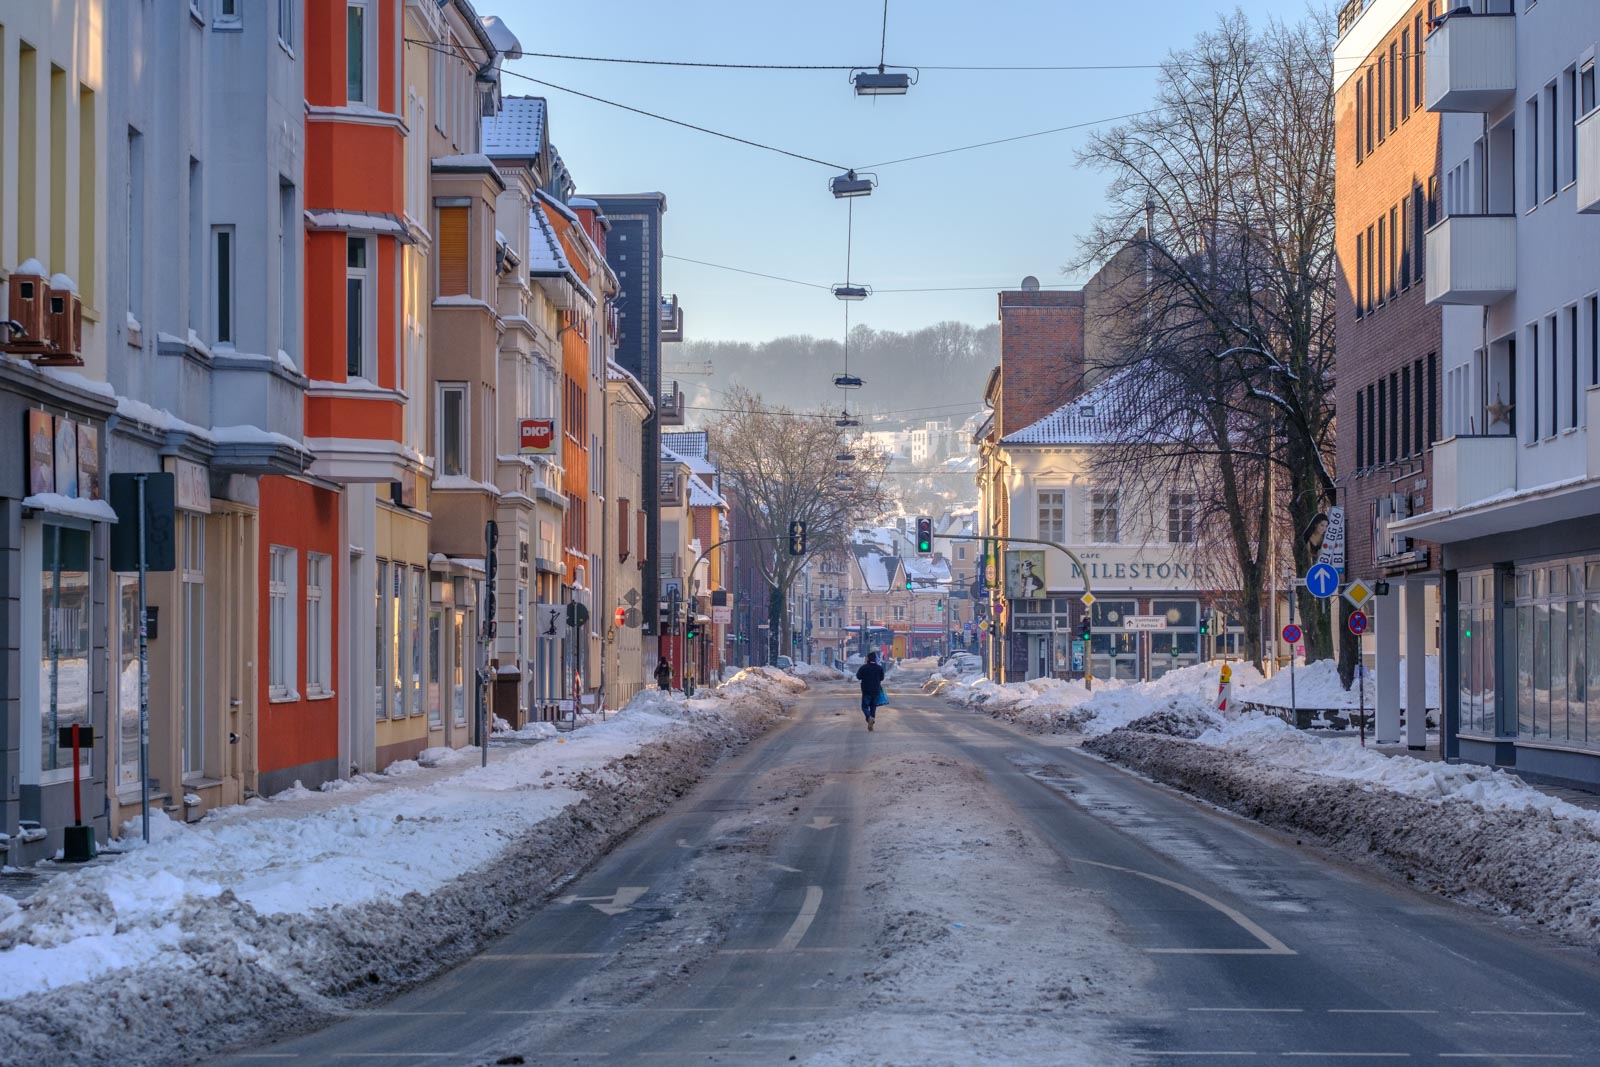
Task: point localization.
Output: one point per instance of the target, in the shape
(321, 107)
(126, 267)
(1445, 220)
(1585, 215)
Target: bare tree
(1223, 195)
(785, 466)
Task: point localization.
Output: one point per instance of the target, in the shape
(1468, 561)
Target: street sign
(1088, 600)
(159, 527)
(1291, 633)
(722, 614)
(1358, 593)
(1144, 622)
(1333, 541)
(1358, 622)
(1322, 580)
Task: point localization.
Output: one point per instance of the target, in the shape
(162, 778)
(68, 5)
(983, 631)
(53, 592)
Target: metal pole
(1294, 704)
(144, 676)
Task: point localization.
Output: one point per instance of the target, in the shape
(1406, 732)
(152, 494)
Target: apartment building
(1387, 195)
(629, 407)
(1514, 262)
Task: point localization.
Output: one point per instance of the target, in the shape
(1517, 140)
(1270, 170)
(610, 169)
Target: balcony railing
(1472, 259)
(1589, 163)
(1471, 62)
(1469, 469)
(669, 409)
(671, 319)
(1349, 13)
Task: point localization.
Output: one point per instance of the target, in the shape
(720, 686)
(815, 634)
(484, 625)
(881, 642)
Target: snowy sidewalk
(313, 901)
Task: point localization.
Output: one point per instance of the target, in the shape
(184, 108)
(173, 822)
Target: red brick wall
(1401, 328)
(1041, 355)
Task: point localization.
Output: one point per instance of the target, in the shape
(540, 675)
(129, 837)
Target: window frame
(369, 55)
(366, 276)
(1051, 499)
(225, 20)
(224, 282)
(463, 433)
(319, 624)
(1105, 516)
(1181, 515)
(283, 661)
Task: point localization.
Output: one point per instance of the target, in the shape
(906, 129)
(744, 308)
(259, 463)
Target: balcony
(1471, 62)
(671, 319)
(669, 408)
(1469, 469)
(1589, 163)
(1472, 259)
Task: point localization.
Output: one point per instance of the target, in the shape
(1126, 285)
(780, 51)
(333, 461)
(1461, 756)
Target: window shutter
(452, 251)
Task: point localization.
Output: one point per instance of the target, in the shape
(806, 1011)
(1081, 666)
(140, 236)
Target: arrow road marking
(802, 922)
(1271, 945)
(822, 822)
(615, 904)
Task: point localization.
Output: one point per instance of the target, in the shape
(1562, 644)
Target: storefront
(54, 527)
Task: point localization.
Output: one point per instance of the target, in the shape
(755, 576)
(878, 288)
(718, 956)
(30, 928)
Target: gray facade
(633, 251)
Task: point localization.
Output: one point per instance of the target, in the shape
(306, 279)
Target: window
(380, 633)
(1405, 74)
(360, 310)
(66, 603)
(126, 689)
(227, 16)
(1180, 518)
(1383, 421)
(222, 289)
(1361, 431)
(1416, 63)
(452, 451)
(1395, 410)
(1372, 278)
(290, 234)
(357, 48)
(88, 204)
(1103, 517)
(281, 623)
(197, 248)
(1383, 94)
(1418, 227)
(435, 668)
(1393, 267)
(135, 224)
(1552, 150)
(1555, 373)
(398, 623)
(286, 23)
(1361, 119)
(458, 676)
(1419, 423)
(1403, 238)
(1053, 515)
(1433, 399)
(453, 249)
(1361, 275)
(1573, 378)
(899, 611)
(1383, 258)
(1593, 306)
(1402, 420)
(1533, 391)
(1372, 107)
(192, 528)
(319, 627)
(1532, 161)
(1394, 71)
(961, 553)
(1570, 173)
(1586, 89)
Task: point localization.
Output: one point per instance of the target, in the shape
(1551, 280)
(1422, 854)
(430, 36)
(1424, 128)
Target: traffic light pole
(1083, 572)
(707, 552)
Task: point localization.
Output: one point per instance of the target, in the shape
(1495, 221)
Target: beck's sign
(536, 437)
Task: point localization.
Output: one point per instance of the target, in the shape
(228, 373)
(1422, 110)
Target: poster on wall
(1025, 574)
(88, 462)
(41, 453)
(66, 457)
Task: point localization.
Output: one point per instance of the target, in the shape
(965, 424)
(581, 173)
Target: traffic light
(1205, 624)
(797, 537)
(693, 630)
(1084, 627)
(939, 606)
(924, 535)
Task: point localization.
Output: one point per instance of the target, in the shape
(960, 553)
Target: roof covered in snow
(518, 130)
(1096, 417)
(877, 568)
(546, 257)
(702, 496)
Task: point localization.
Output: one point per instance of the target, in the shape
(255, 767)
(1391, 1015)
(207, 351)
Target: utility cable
(883, 43)
(1018, 137)
(816, 285)
(741, 270)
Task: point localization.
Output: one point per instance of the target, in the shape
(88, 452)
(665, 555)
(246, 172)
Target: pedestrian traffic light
(924, 535)
(797, 537)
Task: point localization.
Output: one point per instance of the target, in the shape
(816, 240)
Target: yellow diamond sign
(1088, 599)
(1358, 592)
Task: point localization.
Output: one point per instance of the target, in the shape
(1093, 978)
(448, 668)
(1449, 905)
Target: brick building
(1387, 154)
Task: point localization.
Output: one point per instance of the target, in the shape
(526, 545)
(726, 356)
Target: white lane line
(1383, 1011)
(1278, 1011)
(1188, 1052)
(1354, 1055)
(406, 1013)
(396, 1055)
(266, 1055)
(803, 921)
(1274, 947)
(1504, 1056)
(541, 956)
(1560, 1013)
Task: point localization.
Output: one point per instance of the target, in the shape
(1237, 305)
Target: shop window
(380, 628)
(193, 546)
(282, 661)
(319, 626)
(418, 631)
(435, 668)
(458, 672)
(396, 626)
(65, 604)
(127, 684)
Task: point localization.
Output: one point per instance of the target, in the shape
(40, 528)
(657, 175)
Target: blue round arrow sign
(1322, 580)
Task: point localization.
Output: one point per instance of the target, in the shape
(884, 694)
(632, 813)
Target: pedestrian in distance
(870, 675)
(664, 675)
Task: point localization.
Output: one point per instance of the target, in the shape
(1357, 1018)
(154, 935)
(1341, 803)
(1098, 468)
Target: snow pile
(765, 679)
(273, 914)
(818, 672)
(534, 731)
(1317, 685)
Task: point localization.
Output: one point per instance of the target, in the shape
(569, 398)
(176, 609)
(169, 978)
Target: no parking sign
(1358, 622)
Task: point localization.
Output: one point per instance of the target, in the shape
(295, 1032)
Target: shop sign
(550, 620)
(1031, 622)
(536, 437)
(193, 484)
(1024, 574)
(722, 614)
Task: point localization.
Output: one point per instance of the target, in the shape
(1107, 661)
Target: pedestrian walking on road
(664, 675)
(870, 675)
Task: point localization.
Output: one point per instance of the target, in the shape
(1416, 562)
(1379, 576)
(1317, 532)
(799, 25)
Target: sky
(981, 219)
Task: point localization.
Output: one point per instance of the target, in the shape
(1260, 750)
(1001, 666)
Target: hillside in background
(940, 367)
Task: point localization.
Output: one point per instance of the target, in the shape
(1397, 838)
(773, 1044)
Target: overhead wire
(1008, 140)
(875, 291)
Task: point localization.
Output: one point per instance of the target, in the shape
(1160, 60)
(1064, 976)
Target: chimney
(1041, 353)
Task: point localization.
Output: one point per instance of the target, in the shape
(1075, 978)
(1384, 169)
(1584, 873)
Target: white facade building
(1515, 260)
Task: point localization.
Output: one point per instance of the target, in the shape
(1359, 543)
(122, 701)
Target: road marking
(822, 822)
(266, 1055)
(1560, 1013)
(1280, 1011)
(403, 1014)
(1383, 1011)
(1189, 1052)
(784, 867)
(802, 922)
(1274, 947)
(1504, 1056)
(1355, 1055)
(396, 1055)
(615, 904)
(542, 956)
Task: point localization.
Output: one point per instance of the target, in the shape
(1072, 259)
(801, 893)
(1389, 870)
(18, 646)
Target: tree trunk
(777, 621)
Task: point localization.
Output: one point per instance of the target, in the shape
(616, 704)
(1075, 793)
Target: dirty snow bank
(254, 922)
(818, 672)
(1471, 833)
(1317, 685)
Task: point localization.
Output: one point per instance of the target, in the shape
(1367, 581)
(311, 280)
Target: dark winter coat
(871, 678)
(663, 674)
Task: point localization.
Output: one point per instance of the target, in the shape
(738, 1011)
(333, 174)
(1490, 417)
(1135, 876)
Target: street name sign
(1322, 580)
(1144, 622)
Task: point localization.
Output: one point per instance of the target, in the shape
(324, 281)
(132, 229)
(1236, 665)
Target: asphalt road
(735, 929)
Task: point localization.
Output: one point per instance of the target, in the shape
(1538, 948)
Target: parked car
(784, 663)
(964, 663)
